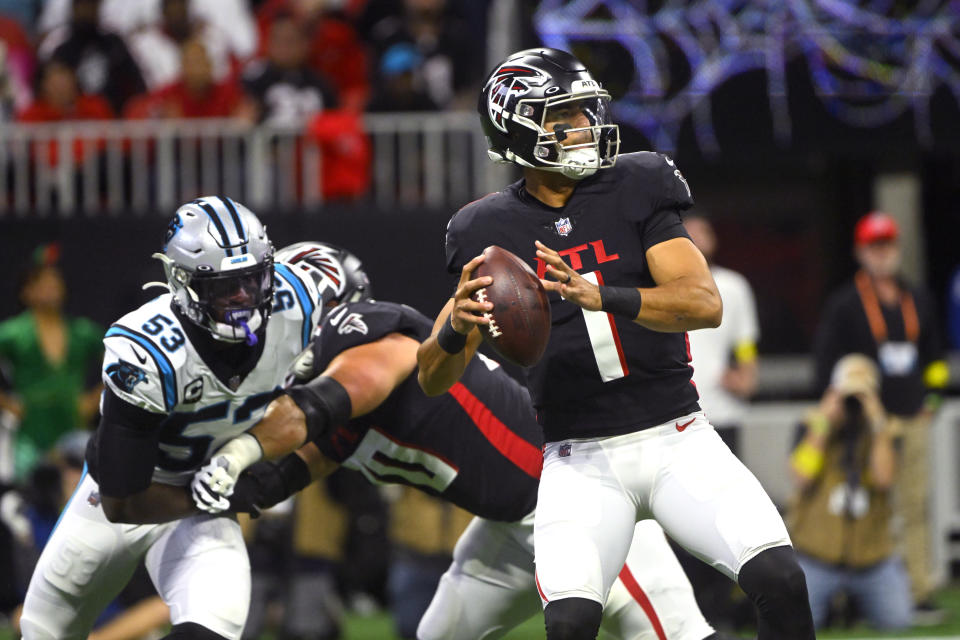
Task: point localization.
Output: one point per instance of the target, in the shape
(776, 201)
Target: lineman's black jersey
(478, 445)
(601, 374)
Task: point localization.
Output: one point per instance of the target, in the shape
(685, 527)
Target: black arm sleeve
(324, 402)
(124, 449)
(266, 484)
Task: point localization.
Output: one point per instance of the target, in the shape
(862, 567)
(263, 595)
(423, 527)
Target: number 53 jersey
(151, 363)
(601, 375)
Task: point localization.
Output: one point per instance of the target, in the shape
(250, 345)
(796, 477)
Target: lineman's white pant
(199, 566)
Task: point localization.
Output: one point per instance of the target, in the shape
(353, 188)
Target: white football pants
(199, 566)
(490, 588)
(592, 492)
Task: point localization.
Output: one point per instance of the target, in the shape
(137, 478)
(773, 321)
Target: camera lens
(852, 406)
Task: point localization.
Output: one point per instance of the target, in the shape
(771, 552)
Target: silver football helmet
(219, 266)
(338, 274)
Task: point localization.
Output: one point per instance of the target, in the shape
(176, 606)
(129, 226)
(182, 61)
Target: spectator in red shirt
(58, 98)
(196, 95)
(156, 47)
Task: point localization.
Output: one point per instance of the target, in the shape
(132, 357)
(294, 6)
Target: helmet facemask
(231, 305)
(575, 134)
(519, 107)
(236, 304)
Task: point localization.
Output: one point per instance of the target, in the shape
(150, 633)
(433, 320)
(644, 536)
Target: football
(520, 320)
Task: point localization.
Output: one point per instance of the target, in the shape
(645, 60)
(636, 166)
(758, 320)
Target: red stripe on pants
(626, 577)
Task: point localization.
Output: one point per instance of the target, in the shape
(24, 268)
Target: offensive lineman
(183, 374)
(625, 437)
(477, 445)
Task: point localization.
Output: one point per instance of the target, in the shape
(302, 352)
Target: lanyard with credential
(878, 326)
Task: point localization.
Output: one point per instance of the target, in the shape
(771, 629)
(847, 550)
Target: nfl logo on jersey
(563, 226)
(564, 450)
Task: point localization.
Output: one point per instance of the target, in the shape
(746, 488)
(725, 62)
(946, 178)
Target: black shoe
(927, 614)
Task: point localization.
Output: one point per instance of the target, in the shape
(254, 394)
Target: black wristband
(621, 301)
(295, 473)
(449, 339)
(265, 484)
(324, 402)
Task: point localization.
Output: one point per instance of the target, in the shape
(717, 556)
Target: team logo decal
(125, 375)
(193, 391)
(326, 264)
(564, 227)
(679, 175)
(353, 323)
(175, 225)
(509, 81)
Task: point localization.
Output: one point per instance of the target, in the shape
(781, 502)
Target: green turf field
(379, 626)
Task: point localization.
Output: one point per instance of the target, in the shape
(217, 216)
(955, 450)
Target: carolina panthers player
(184, 373)
(477, 446)
(625, 439)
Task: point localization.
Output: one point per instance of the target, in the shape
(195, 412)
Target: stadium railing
(139, 166)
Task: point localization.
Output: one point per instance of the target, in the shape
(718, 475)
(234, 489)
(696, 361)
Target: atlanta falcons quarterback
(478, 446)
(183, 374)
(625, 437)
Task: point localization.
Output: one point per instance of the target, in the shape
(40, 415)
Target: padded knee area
(191, 631)
(573, 619)
(775, 583)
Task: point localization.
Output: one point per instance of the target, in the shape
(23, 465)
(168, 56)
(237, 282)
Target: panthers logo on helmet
(508, 81)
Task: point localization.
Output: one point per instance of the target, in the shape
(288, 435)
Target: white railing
(135, 167)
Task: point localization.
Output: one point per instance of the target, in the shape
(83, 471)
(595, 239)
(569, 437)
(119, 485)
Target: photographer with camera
(844, 468)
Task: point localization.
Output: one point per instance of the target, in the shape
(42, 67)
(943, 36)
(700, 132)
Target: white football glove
(213, 483)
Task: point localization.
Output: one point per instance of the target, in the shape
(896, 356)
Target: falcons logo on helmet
(508, 81)
(326, 264)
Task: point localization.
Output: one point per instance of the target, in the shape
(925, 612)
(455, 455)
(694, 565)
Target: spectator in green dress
(47, 358)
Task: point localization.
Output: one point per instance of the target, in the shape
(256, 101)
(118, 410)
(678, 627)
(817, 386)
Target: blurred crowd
(273, 61)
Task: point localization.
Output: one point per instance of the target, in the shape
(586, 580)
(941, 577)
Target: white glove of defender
(213, 483)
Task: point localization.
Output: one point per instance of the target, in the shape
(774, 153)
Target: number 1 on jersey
(604, 338)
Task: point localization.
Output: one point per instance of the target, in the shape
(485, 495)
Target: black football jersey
(287, 96)
(478, 445)
(601, 374)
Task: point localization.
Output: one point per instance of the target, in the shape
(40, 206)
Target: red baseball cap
(876, 226)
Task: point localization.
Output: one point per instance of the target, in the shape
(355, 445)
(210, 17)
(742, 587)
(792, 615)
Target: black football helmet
(536, 88)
